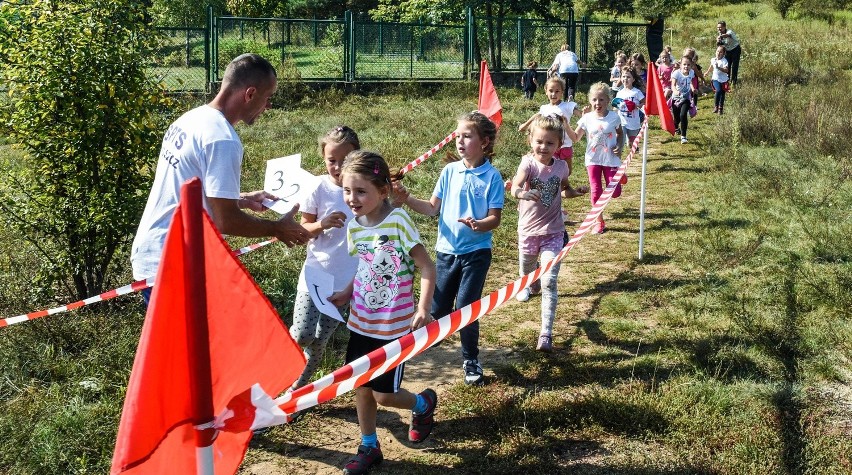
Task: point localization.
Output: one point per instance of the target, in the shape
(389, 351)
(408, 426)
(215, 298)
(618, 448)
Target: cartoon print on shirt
(599, 139)
(549, 189)
(381, 274)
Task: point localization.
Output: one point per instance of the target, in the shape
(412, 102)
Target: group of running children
(681, 81)
(365, 238)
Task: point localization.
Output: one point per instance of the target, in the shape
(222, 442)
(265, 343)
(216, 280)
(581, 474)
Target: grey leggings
(549, 296)
(311, 330)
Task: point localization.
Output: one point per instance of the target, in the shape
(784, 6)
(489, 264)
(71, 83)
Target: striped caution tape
(394, 353)
(130, 288)
(422, 158)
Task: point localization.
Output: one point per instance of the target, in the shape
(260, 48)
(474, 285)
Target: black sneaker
(421, 424)
(364, 460)
(472, 373)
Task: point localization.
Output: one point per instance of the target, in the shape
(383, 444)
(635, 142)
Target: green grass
(726, 350)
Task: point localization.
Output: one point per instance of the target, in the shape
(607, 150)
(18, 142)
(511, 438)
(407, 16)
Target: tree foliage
(184, 12)
(83, 110)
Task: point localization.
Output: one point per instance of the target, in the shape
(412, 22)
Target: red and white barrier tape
(144, 284)
(422, 158)
(377, 362)
(130, 288)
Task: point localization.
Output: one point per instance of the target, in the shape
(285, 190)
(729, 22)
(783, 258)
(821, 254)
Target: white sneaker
(683, 139)
(523, 295)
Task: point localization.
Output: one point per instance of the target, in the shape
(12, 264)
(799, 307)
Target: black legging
(570, 83)
(733, 58)
(681, 116)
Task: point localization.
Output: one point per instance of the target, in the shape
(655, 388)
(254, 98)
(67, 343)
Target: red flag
(655, 103)
(247, 344)
(489, 103)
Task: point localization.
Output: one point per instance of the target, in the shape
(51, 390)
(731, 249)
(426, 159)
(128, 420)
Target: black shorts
(358, 346)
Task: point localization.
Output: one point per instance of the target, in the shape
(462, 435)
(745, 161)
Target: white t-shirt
(201, 143)
(719, 75)
(328, 251)
(732, 41)
(683, 85)
(564, 109)
(601, 138)
(630, 118)
(566, 61)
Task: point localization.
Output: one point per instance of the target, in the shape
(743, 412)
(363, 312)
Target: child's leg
(402, 399)
(306, 320)
(608, 173)
(549, 294)
(721, 97)
(366, 406)
(595, 187)
(528, 262)
(474, 268)
(684, 117)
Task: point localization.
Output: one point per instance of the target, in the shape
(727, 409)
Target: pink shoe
(599, 228)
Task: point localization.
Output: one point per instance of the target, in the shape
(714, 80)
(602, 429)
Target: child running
(603, 146)
(529, 83)
(564, 110)
(324, 215)
(719, 68)
(631, 101)
(615, 74)
(539, 183)
(382, 299)
(683, 89)
(468, 199)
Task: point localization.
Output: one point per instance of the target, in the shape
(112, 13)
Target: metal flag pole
(642, 194)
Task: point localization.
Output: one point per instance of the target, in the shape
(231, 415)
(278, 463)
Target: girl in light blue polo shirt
(468, 199)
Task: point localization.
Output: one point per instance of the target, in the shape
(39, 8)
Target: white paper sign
(288, 181)
(321, 286)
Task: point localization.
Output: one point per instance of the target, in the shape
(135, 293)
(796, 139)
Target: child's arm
(518, 187)
(535, 81)
(491, 221)
(403, 196)
(568, 192)
(428, 274)
(526, 124)
(619, 137)
(343, 296)
(334, 220)
(575, 135)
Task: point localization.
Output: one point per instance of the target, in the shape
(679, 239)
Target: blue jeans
(461, 279)
(719, 97)
(146, 296)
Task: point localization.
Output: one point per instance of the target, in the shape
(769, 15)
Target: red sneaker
(363, 461)
(421, 424)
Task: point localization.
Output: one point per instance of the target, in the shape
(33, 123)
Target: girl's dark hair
(369, 165)
(637, 80)
(339, 134)
(484, 128)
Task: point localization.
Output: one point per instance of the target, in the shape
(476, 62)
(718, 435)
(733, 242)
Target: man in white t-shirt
(731, 42)
(567, 65)
(203, 143)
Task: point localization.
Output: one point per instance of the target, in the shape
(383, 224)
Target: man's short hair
(248, 70)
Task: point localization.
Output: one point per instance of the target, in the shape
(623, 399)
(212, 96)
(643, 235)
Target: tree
(90, 122)
(184, 12)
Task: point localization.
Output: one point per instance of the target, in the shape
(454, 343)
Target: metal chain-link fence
(355, 49)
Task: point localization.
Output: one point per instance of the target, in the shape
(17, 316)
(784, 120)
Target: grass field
(725, 351)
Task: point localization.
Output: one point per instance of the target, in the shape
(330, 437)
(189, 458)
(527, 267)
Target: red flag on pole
(246, 344)
(489, 103)
(655, 103)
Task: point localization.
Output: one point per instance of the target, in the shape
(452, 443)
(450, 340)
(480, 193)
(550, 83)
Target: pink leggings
(599, 176)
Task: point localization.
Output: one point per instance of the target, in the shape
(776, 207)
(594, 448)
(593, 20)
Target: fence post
(520, 44)
(350, 22)
(381, 38)
(584, 40)
(572, 31)
(468, 66)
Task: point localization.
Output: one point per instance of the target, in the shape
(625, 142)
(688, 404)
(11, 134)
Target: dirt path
(326, 437)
